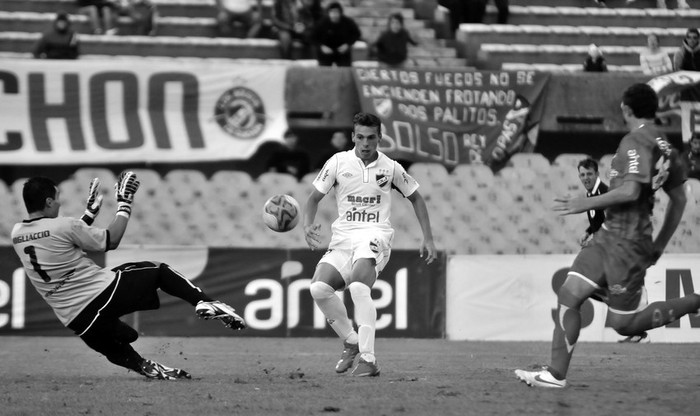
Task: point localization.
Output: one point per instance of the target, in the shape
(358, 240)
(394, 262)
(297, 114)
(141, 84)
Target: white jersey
(51, 251)
(363, 193)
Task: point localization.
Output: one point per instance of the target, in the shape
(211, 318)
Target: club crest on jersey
(383, 177)
(240, 113)
(374, 245)
(382, 180)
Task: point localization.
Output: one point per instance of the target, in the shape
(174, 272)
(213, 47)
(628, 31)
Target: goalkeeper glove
(126, 187)
(94, 202)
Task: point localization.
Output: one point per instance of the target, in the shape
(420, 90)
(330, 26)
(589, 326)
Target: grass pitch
(273, 376)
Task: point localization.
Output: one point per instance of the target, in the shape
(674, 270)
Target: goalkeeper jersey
(52, 253)
(363, 193)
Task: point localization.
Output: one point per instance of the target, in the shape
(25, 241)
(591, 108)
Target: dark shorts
(616, 267)
(135, 288)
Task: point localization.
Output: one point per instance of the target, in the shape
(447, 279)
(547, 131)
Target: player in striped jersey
(361, 237)
(87, 298)
(612, 266)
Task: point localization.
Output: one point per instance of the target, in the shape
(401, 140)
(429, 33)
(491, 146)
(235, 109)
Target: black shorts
(135, 288)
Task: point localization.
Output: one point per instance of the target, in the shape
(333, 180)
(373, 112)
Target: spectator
(459, 12)
(59, 42)
(339, 143)
(595, 62)
(391, 48)
(687, 57)
(101, 14)
(692, 158)
(295, 20)
(289, 158)
(239, 18)
(590, 179)
(653, 60)
(335, 35)
(478, 10)
(144, 14)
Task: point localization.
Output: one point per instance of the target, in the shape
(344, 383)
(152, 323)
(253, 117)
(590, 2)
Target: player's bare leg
(325, 283)
(364, 276)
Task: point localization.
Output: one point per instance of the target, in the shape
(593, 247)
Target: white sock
(334, 310)
(366, 317)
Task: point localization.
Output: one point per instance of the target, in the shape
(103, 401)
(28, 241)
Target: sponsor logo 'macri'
(364, 200)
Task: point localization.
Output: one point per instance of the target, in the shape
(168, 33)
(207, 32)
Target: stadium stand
(506, 213)
(189, 28)
(473, 210)
(550, 35)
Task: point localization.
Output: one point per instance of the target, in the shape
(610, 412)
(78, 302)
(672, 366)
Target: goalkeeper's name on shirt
(30, 237)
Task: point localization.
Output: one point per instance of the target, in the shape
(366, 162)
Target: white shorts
(343, 253)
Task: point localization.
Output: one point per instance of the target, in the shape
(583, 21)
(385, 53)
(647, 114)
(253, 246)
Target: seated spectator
(59, 42)
(239, 18)
(339, 143)
(661, 4)
(334, 36)
(295, 20)
(144, 14)
(692, 158)
(478, 11)
(289, 158)
(653, 60)
(102, 14)
(595, 62)
(687, 57)
(391, 48)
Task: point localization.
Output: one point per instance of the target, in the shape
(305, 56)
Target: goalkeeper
(87, 298)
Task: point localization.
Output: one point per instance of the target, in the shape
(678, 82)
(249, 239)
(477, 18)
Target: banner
(513, 298)
(137, 110)
(679, 95)
(454, 117)
(269, 288)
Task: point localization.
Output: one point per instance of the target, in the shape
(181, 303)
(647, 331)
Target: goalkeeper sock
(334, 310)
(366, 317)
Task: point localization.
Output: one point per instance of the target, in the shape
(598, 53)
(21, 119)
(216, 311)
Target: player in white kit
(361, 237)
(87, 298)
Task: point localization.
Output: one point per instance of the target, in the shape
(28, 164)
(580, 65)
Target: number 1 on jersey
(31, 251)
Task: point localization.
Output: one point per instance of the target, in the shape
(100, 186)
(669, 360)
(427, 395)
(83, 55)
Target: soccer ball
(281, 213)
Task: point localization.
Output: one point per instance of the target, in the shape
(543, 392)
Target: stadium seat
(433, 173)
(468, 176)
(534, 161)
(273, 183)
(186, 185)
(569, 160)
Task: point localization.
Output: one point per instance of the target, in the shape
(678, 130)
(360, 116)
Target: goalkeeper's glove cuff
(88, 217)
(124, 209)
